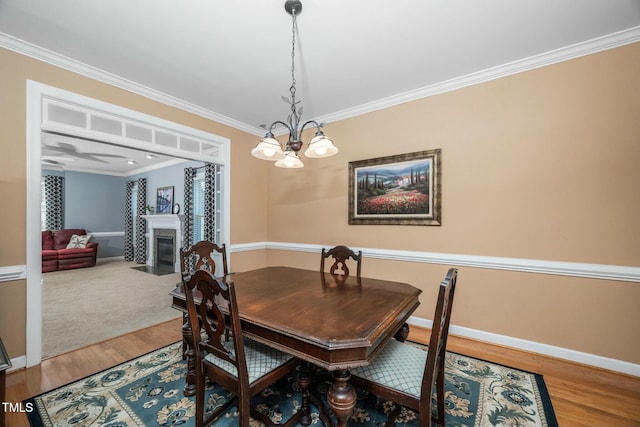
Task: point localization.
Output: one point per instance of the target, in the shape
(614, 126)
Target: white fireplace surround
(164, 221)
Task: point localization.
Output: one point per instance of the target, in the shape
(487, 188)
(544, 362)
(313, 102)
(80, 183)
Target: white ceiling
(65, 153)
(232, 59)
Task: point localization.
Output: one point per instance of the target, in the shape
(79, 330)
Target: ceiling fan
(71, 151)
(56, 160)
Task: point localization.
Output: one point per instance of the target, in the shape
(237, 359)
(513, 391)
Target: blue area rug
(147, 391)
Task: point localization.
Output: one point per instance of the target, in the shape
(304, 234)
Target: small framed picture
(164, 200)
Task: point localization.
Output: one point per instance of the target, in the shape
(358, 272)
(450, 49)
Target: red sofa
(56, 256)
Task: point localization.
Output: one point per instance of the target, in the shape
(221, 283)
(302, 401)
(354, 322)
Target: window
(134, 211)
(198, 207)
(199, 196)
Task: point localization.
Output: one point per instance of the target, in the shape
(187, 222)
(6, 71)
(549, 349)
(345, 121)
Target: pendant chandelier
(269, 148)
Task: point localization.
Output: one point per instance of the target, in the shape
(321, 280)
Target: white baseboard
(621, 273)
(530, 346)
(112, 258)
(17, 363)
(535, 347)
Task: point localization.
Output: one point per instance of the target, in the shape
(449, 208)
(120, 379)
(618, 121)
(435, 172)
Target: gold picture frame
(402, 189)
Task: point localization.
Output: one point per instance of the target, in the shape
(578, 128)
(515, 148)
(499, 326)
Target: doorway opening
(51, 109)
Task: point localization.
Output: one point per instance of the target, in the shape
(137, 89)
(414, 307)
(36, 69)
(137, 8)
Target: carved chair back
(339, 269)
(200, 257)
(216, 312)
(240, 365)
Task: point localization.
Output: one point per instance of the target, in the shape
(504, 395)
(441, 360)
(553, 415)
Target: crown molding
(41, 54)
(610, 41)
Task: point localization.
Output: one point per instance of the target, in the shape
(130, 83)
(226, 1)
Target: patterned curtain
(210, 171)
(53, 192)
(141, 223)
(129, 254)
(187, 237)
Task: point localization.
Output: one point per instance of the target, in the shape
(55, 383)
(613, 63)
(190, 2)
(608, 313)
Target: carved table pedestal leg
(403, 333)
(341, 396)
(304, 381)
(187, 336)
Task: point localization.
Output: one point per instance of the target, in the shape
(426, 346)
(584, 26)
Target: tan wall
(540, 165)
(249, 190)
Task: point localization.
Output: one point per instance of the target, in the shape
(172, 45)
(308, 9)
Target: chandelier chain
(269, 148)
(293, 59)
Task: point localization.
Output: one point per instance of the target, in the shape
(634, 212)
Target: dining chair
(241, 366)
(405, 374)
(341, 254)
(200, 257)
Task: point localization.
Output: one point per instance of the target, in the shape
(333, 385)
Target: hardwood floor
(60, 370)
(581, 395)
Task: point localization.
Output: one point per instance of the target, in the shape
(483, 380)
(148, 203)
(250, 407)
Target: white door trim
(36, 94)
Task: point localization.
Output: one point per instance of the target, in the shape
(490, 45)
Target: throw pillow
(78, 241)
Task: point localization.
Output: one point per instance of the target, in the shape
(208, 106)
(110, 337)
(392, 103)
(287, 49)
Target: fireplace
(165, 238)
(165, 247)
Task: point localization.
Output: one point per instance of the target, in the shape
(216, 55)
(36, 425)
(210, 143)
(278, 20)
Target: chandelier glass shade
(269, 148)
(291, 160)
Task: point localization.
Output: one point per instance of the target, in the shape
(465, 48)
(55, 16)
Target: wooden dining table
(333, 324)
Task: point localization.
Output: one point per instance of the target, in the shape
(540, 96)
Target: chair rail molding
(13, 272)
(574, 269)
(107, 233)
(596, 271)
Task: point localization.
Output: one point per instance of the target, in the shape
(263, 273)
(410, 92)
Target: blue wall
(94, 202)
(166, 177)
(97, 202)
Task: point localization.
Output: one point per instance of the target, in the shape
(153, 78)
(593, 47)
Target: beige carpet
(89, 305)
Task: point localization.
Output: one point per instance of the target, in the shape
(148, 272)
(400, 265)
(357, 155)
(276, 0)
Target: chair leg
(244, 411)
(440, 395)
(200, 386)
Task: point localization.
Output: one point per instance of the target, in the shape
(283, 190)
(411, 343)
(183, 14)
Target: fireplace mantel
(164, 221)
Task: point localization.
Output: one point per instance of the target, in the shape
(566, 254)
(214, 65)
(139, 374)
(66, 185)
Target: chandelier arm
(322, 146)
(308, 122)
(281, 123)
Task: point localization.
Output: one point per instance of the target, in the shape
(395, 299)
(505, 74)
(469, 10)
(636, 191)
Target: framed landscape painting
(403, 189)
